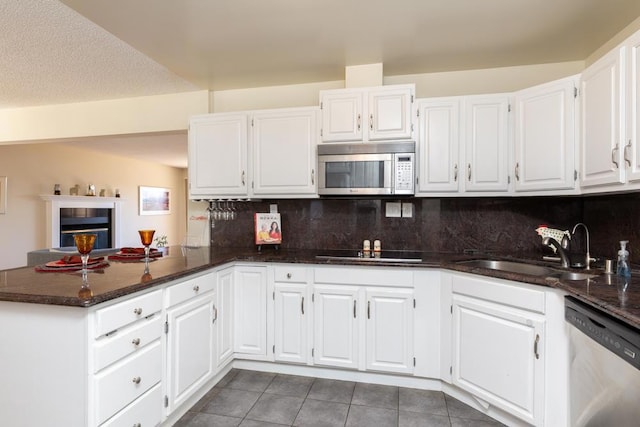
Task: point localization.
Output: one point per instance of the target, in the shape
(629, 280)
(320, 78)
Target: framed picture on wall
(155, 201)
(3, 194)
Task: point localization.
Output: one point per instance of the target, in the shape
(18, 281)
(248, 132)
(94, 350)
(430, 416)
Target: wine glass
(84, 244)
(146, 237)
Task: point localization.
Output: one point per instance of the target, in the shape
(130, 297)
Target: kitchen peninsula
(121, 356)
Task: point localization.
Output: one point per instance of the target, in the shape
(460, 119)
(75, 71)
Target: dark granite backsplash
(505, 225)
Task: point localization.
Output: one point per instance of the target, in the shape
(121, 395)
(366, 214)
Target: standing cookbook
(267, 229)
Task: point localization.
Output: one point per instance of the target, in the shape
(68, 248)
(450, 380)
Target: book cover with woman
(268, 229)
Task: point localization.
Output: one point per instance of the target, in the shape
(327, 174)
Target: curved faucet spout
(588, 255)
(557, 247)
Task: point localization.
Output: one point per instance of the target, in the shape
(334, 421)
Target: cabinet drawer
(288, 274)
(112, 348)
(123, 382)
(513, 294)
(190, 288)
(364, 276)
(110, 318)
(144, 411)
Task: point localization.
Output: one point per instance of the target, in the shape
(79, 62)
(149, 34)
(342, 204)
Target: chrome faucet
(587, 262)
(559, 249)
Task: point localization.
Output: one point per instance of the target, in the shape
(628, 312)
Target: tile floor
(259, 399)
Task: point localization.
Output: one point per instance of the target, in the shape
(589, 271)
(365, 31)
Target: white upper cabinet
(218, 155)
(632, 148)
(545, 136)
(261, 153)
(438, 145)
(486, 130)
(341, 115)
(284, 151)
(367, 114)
(602, 144)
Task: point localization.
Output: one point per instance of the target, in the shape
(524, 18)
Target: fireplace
(69, 215)
(86, 220)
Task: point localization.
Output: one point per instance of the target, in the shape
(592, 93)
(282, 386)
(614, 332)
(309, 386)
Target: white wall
(33, 169)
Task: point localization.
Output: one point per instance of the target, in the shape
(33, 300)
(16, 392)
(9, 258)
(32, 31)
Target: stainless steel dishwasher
(604, 372)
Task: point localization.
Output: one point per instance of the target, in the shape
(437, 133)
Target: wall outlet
(407, 210)
(393, 210)
(273, 208)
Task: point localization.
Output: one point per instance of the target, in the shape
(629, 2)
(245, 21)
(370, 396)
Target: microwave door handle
(389, 179)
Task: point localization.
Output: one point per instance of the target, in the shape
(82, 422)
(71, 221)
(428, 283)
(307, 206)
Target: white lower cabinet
(389, 330)
(190, 338)
(336, 326)
(127, 360)
(499, 345)
(364, 327)
(250, 312)
(224, 316)
(292, 314)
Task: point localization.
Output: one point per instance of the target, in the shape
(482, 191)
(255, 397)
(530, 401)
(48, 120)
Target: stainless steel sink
(574, 275)
(510, 266)
(528, 269)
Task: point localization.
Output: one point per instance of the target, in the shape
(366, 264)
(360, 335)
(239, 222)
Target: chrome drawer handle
(535, 347)
(196, 288)
(137, 425)
(136, 341)
(136, 380)
(614, 154)
(137, 311)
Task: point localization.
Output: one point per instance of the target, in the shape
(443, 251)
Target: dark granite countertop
(122, 278)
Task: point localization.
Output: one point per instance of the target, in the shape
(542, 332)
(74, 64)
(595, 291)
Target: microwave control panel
(404, 173)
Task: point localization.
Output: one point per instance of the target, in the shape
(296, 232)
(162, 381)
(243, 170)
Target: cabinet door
(390, 113)
(250, 311)
(438, 142)
(291, 314)
(336, 319)
(284, 152)
(632, 148)
(602, 146)
(498, 356)
(224, 317)
(190, 348)
(342, 115)
(389, 330)
(486, 135)
(218, 155)
(545, 137)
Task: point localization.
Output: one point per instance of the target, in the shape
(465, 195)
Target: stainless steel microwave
(383, 168)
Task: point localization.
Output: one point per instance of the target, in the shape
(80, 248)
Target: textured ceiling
(76, 50)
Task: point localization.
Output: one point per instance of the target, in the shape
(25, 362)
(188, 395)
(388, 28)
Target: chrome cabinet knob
(136, 341)
(137, 311)
(288, 275)
(136, 380)
(196, 288)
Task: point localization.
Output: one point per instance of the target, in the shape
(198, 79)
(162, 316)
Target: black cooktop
(387, 255)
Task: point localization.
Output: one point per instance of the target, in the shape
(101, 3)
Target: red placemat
(70, 267)
(134, 254)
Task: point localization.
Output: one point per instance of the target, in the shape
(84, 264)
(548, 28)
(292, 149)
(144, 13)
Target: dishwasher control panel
(604, 329)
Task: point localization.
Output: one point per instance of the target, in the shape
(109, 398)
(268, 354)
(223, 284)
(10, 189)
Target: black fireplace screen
(86, 220)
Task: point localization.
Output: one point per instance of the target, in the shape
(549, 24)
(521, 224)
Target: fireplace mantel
(55, 203)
